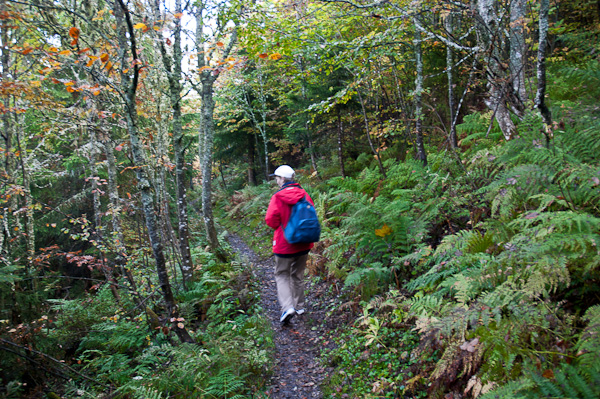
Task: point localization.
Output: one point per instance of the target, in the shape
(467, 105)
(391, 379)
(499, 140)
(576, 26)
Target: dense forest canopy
(451, 148)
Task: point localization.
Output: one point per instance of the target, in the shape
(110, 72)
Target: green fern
(568, 382)
(226, 385)
(588, 345)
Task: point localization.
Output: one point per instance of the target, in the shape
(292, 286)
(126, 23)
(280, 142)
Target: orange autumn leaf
(549, 374)
(220, 44)
(66, 52)
(263, 55)
(104, 57)
(70, 89)
(178, 15)
(384, 231)
(27, 51)
(74, 33)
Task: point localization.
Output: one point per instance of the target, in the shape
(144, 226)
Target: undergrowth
(496, 260)
(130, 352)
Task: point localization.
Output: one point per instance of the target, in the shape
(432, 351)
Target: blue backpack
(303, 226)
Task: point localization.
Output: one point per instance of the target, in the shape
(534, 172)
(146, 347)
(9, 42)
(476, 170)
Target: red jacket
(278, 214)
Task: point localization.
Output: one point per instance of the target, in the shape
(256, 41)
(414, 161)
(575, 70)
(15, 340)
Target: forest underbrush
(477, 276)
(120, 347)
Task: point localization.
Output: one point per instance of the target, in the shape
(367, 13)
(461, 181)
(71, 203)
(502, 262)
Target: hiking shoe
(287, 315)
(300, 311)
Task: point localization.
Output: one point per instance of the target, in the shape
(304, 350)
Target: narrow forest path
(297, 372)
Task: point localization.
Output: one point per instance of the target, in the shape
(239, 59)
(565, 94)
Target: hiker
(290, 259)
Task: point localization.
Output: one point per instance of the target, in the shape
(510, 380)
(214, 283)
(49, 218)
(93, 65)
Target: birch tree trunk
(340, 141)
(517, 54)
(127, 44)
(540, 95)
(452, 139)
(421, 155)
(7, 133)
(491, 43)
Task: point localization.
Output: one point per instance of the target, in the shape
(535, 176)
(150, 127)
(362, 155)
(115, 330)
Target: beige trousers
(289, 276)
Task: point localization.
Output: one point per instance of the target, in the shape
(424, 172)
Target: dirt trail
(297, 372)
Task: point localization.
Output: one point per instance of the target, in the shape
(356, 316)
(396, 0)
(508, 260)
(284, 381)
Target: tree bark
(452, 139)
(207, 126)
(340, 143)
(421, 155)
(540, 95)
(491, 43)
(517, 54)
(208, 107)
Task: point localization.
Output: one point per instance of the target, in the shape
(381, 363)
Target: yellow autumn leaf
(65, 52)
(53, 49)
(178, 15)
(70, 83)
(204, 68)
(36, 83)
(140, 26)
(99, 15)
(384, 231)
(275, 56)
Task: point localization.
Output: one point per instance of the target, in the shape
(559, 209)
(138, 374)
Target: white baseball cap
(284, 171)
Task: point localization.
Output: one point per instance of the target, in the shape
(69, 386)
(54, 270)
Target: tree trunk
(452, 139)
(251, 162)
(540, 95)
(517, 54)
(421, 155)
(340, 142)
(28, 205)
(207, 80)
(208, 106)
(490, 41)
(129, 87)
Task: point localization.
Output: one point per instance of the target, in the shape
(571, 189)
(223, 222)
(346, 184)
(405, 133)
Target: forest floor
(297, 372)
